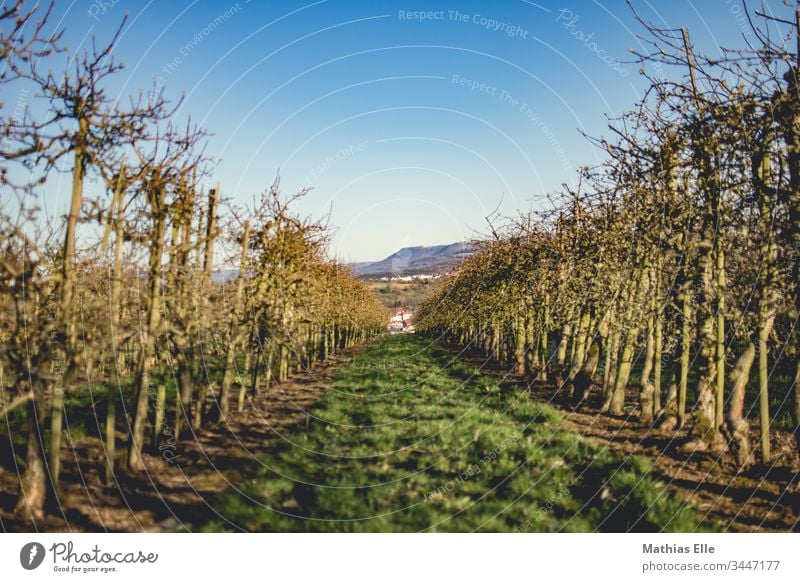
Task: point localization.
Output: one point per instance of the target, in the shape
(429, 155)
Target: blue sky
(410, 130)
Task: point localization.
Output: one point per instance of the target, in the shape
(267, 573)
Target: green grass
(410, 440)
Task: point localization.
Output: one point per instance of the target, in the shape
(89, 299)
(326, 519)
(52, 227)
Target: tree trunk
(67, 305)
(198, 415)
(519, 344)
(738, 427)
(33, 482)
(583, 380)
(764, 327)
(720, 354)
(56, 432)
(610, 368)
(579, 354)
(669, 414)
(768, 300)
(211, 233)
(117, 210)
(685, 350)
(283, 363)
(158, 425)
(561, 352)
(616, 399)
(705, 434)
(255, 376)
(183, 404)
(147, 353)
(111, 433)
(242, 380)
(323, 345)
(617, 404)
(544, 346)
(646, 394)
(135, 460)
(658, 339)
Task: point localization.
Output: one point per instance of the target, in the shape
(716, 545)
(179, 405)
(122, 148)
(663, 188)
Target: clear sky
(410, 130)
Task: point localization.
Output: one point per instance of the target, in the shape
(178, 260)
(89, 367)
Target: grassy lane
(408, 439)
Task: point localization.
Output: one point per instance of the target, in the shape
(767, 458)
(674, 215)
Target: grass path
(408, 439)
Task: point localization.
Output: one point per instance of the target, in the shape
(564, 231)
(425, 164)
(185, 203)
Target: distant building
(409, 278)
(400, 322)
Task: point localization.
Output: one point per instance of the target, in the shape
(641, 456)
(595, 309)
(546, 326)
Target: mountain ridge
(416, 260)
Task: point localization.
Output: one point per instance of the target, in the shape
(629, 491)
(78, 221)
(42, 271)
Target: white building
(400, 322)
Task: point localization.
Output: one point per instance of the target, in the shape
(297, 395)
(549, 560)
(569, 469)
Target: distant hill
(416, 261)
